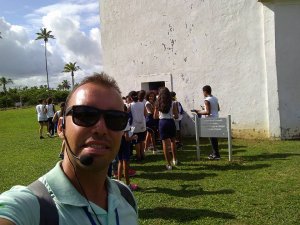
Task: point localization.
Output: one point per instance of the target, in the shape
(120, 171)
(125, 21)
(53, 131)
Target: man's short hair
(97, 78)
(207, 89)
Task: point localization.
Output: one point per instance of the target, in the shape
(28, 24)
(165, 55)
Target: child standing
(124, 156)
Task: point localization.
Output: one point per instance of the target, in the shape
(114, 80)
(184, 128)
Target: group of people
(47, 116)
(94, 125)
(152, 116)
(155, 116)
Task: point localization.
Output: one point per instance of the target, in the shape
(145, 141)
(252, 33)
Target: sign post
(229, 138)
(197, 136)
(213, 127)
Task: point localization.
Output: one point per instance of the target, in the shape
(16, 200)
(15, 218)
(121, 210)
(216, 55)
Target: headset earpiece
(63, 123)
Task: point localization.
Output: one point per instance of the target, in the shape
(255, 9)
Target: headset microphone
(85, 159)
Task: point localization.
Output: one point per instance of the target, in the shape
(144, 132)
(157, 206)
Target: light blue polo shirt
(21, 206)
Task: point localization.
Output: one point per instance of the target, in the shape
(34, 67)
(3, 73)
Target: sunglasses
(87, 116)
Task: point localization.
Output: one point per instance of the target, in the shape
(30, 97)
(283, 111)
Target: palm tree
(4, 82)
(45, 35)
(71, 67)
(60, 87)
(65, 85)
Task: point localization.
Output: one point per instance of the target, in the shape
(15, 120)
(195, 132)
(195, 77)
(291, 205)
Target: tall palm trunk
(72, 74)
(4, 89)
(46, 64)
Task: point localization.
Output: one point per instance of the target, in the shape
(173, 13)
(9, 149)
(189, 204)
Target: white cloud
(76, 29)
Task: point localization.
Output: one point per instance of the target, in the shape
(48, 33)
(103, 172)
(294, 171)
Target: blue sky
(15, 10)
(76, 27)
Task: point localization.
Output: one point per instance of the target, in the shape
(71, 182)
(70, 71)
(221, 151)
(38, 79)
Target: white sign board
(213, 127)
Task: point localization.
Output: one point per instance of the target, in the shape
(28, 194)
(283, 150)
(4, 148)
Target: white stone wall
(191, 43)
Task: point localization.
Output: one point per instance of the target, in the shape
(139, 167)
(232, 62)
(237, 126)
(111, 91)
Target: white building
(247, 50)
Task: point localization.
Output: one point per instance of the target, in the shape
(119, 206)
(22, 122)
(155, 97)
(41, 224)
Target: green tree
(71, 67)
(45, 35)
(65, 85)
(3, 83)
(60, 87)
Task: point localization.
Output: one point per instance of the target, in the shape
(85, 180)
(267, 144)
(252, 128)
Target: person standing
(124, 156)
(92, 128)
(178, 120)
(166, 111)
(211, 109)
(42, 116)
(151, 123)
(50, 113)
(58, 114)
(138, 113)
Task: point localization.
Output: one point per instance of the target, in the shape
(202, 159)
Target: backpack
(48, 210)
(181, 111)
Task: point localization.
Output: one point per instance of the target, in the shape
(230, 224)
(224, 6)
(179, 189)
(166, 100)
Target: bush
(31, 96)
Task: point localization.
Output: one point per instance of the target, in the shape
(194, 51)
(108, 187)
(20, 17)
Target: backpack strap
(127, 194)
(48, 210)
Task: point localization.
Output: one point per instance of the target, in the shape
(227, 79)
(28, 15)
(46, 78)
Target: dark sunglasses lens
(115, 120)
(85, 116)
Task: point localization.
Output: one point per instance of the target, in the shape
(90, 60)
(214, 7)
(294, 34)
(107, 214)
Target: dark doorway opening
(153, 86)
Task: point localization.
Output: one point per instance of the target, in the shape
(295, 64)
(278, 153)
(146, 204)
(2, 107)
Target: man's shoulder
(19, 191)
(20, 205)
(127, 206)
(209, 98)
(123, 190)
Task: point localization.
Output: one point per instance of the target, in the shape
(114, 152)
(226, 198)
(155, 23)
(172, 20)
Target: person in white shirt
(138, 121)
(50, 114)
(41, 116)
(166, 111)
(211, 109)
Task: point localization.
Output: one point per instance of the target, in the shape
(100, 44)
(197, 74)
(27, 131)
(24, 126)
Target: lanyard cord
(81, 188)
(89, 215)
(117, 216)
(93, 221)
(79, 183)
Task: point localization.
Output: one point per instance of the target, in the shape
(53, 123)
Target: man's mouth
(95, 147)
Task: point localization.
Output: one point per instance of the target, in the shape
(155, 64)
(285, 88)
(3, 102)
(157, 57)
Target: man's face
(205, 94)
(97, 141)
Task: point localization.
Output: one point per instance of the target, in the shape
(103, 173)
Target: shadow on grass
(172, 175)
(182, 215)
(222, 167)
(270, 156)
(190, 153)
(186, 191)
(235, 166)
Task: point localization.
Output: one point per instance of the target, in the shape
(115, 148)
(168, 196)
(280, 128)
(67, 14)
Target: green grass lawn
(260, 186)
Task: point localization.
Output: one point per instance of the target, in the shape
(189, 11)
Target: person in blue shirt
(91, 127)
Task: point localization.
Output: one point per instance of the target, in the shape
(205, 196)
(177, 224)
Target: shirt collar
(66, 193)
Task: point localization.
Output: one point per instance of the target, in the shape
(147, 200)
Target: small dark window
(153, 86)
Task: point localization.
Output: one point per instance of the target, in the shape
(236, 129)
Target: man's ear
(60, 127)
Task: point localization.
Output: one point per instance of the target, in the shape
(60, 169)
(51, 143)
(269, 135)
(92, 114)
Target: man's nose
(100, 127)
